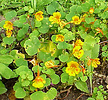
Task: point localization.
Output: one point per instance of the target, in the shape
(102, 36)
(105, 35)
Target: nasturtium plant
(2, 88)
(48, 46)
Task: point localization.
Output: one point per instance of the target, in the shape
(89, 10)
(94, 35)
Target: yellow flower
(50, 64)
(8, 25)
(95, 62)
(59, 37)
(73, 68)
(62, 24)
(39, 16)
(55, 18)
(76, 20)
(83, 17)
(78, 42)
(34, 62)
(8, 33)
(91, 11)
(38, 82)
(78, 52)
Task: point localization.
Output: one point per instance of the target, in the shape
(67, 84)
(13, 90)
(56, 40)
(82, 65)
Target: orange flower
(38, 82)
(91, 11)
(95, 62)
(50, 64)
(99, 31)
(78, 52)
(83, 17)
(83, 69)
(8, 33)
(78, 43)
(39, 16)
(34, 62)
(55, 18)
(59, 37)
(89, 62)
(62, 24)
(8, 25)
(72, 68)
(76, 20)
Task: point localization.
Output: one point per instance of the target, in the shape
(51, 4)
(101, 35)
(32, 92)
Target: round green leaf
(48, 71)
(64, 77)
(25, 83)
(2, 23)
(31, 10)
(21, 61)
(52, 93)
(10, 15)
(23, 74)
(55, 78)
(84, 78)
(6, 59)
(71, 80)
(2, 88)
(35, 33)
(85, 7)
(8, 40)
(16, 86)
(18, 23)
(26, 8)
(39, 95)
(20, 93)
(23, 31)
(79, 9)
(22, 18)
(37, 23)
(6, 72)
(48, 82)
(89, 19)
(32, 45)
(70, 15)
(73, 8)
(69, 36)
(62, 45)
(64, 57)
(43, 29)
(50, 9)
(104, 48)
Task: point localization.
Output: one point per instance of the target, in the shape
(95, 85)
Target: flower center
(73, 66)
(76, 19)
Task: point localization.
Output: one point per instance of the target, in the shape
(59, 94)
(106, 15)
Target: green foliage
(55, 78)
(39, 95)
(64, 77)
(33, 48)
(9, 40)
(10, 15)
(6, 72)
(98, 93)
(82, 86)
(2, 88)
(32, 45)
(6, 59)
(64, 57)
(20, 93)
